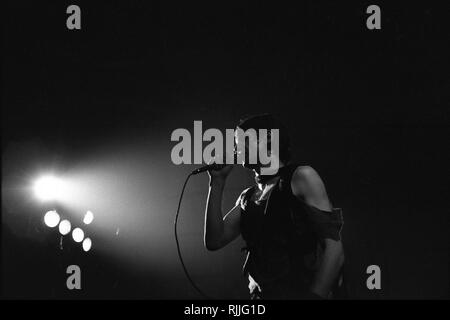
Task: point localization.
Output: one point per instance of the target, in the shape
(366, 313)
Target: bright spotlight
(77, 235)
(51, 218)
(64, 227)
(88, 217)
(87, 244)
(48, 188)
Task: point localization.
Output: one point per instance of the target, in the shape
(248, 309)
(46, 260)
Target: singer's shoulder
(307, 184)
(305, 173)
(306, 179)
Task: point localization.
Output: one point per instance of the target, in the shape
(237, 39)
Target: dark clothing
(282, 236)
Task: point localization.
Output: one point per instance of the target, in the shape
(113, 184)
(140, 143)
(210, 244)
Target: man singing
(291, 230)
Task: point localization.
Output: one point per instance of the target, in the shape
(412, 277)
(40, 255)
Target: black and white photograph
(207, 152)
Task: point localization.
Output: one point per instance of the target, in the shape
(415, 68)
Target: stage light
(64, 227)
(48, 188)
(88, 217)
(87, 244)
(77, 235)
(51, 219)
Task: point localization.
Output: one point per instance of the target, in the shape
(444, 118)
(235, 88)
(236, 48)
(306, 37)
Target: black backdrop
(367, 109)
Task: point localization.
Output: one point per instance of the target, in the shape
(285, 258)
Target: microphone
(213, 166)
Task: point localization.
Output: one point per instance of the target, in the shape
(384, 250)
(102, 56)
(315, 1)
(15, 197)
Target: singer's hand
(221, 174)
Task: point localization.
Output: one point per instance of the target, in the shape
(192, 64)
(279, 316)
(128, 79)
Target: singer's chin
(253, 167)
(259, 178)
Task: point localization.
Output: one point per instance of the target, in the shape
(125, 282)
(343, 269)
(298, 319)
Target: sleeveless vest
(283, 234)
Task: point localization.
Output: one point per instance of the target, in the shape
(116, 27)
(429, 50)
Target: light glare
(77, 235)
(87, 244)
(64, 227)
(88, 217)
(51, 219)
(48, 188)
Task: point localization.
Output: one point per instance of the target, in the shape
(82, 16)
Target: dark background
(367, 109)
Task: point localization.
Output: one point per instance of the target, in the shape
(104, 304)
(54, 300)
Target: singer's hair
(268, 121)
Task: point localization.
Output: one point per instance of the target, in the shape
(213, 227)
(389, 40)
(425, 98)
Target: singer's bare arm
(219, 230)
(307, 184)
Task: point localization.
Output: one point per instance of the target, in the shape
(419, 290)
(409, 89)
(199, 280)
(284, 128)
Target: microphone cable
(178, 243)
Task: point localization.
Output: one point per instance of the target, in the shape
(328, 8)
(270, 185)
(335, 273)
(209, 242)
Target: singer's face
(244, 145)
